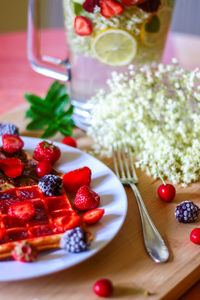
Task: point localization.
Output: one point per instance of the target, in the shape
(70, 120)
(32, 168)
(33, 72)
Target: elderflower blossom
(157, 112)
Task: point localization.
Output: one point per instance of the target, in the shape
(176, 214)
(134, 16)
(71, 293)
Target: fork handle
(153, 241)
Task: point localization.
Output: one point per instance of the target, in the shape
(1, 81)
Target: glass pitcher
(102, 36)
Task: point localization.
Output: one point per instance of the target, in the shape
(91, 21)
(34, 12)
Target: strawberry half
(12, 143)
(24, 252)
(64, 223)
(110, 8)
(82, 26)
(86, 198)
(92, 216)
(132, 2)
(73, 180)
(12, 167)
(24, 211)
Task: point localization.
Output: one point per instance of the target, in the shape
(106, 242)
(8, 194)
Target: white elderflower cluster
(156, 110)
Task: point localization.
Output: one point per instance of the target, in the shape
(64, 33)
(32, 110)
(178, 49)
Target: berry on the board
(89, 5)
(64, 223)
(110, 8)
(43, 168)
(24, 211)
(46, 151)
(132, 2)
(24, 252)
(82, 26)
(8, 128)
(92, 216)
(75, 240)
(150, 6)
(12, 143)
(86, 199)
(103, 287)
(195, 236)
(186, 212)
(166, 192)
(70, 141)
(73, 180)
(50, 185)
(12, 167)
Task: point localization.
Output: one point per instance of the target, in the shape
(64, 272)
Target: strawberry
(110, 8)
(24, 211)
(86, 198)
(12, 143)
(89, 5)
(24, 252)
(132, 2)
(45, 151)
(92, 216)
(2, 232)
(70, 141)
(73, 180)
(82, 26)
(64, 223)
(43, 168)
(12, 167)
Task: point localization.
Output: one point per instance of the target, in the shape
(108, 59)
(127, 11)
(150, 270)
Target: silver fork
(125, 170)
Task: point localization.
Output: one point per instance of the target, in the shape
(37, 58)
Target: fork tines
(123, 163)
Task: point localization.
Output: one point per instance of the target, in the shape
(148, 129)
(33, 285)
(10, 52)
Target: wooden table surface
(124, 260)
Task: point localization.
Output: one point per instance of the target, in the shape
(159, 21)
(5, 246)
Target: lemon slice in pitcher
(114, 47)
(153, 37)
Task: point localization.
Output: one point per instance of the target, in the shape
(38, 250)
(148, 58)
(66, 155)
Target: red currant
(166, 192)
(103, 287)
(70, 141)
(43, 168)
(195, 236)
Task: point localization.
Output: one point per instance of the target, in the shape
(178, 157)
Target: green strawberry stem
(160, 176)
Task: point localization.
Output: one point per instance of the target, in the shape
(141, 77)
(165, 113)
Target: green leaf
(60, 104)
(66, 130)
(79, 10)
(37, 124)
(51, 130)
(153, 25)
(35, 100)
(30, 114)
(56, 90)
(41, 112)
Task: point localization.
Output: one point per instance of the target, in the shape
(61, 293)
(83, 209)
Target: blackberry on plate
(186, 212)
(8, 128)
(75, 240)
(51, 185)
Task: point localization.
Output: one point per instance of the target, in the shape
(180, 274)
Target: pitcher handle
(42, 64)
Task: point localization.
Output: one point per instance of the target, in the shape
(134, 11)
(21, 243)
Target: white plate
(113, 200)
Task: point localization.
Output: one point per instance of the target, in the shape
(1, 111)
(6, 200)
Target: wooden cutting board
(124, 260)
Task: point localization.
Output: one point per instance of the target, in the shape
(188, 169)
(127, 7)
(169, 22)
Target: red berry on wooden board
(195, 236)
(103, 287)
(166, 192)
(70, 141)
(92, 216)
(43, 168)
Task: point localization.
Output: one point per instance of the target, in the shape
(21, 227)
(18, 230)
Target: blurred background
(13, 15)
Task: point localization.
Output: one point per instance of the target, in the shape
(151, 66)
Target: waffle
(41, 231)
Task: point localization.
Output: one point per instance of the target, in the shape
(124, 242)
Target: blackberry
(8, 128)
(75, 240)
(50, 185)
(186, 212)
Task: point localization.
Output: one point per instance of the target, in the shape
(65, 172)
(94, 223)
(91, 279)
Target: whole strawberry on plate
(45, 151)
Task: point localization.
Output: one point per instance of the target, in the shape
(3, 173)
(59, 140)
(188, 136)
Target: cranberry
(166, 192)
(70, 141)
(43, 168)
(195, 236)
(103, 287)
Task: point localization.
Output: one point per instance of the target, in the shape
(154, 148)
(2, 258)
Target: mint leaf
(153, 25)
(56, 90)
(51, 130)
(37, 124)
(79, 10)
(35, 100)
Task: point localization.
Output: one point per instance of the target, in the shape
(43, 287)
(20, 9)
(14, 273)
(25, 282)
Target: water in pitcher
(108, 35)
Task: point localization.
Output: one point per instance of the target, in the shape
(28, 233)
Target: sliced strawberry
(12, 143)
(132, 2)
(110, 8)
(24, 210)
(82, 26)
(64, 223)
(24, 252)
(92, 216)
(12, 167)
(2, 232)
(86, 198)
(73, 180)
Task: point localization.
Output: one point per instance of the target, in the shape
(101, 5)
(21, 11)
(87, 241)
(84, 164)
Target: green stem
(160, 176)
